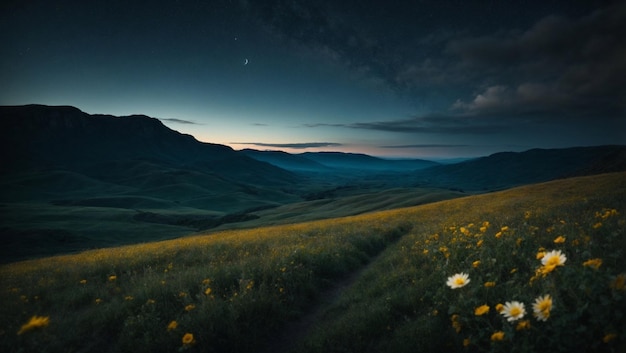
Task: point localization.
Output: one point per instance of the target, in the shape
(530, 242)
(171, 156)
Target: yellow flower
(206, 281)
(128, 297)
(182, 294)
(466, 342)
(504, 229)
(98, 301)
(83, 281)
(190, 307)
(188, 339)
(481, 310)
(476, 263)
(172, 325)
(455, 323)
(594, 263)
(540, 255)
(609, 337)
(597, 225)
(542, 307)
(207, 291)
(458, 280)
(151, 301)
(559, 240)
(425, 251)
(479, 243)
(498, 235)
(619, 282)
(497, 336)
(513, 311)
(523, 325)
(34, 323)
(499, 307)
(112, 278)
(490, 284)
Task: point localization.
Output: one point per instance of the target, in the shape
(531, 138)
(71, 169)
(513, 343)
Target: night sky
(429, 79)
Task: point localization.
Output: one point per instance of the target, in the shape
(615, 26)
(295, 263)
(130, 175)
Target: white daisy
(458, 280)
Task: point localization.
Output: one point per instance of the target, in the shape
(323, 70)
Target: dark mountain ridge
(37, 137)
(508, 169)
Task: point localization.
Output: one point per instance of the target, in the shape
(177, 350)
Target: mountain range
(72, 180)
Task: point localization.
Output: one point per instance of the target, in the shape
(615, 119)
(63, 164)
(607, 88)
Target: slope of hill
(72, 181)
(508, 169)
(241, 291)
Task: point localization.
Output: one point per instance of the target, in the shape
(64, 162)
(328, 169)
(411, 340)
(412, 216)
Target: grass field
(238, 290)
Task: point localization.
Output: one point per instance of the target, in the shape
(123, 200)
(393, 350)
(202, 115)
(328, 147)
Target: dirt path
(295, 331)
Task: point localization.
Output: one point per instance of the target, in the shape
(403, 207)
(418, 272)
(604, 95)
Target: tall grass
(233, 291)
(403, 304)
(224, 292)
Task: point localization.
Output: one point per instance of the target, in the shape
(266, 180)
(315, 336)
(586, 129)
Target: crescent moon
(246, 62)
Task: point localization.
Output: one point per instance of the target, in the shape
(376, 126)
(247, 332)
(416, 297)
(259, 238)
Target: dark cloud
(181, 121)
(560, 65)
(291, 145)
(426, 146)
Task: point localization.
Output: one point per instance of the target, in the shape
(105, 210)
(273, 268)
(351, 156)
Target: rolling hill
(507, 169)
(377, 282)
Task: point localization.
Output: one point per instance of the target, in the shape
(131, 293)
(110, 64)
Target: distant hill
(332, 162)
(508, 169)
(288, 161)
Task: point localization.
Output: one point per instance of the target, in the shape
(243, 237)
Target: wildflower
(190, 307)
(497, 336)
(206, 281)
(207, 291)
(540, 255)
(513, 311)
(466, 342)
(479, 243)
(34, 323)
(597, 225)
(481, 310)
(128, 297)
(425, 251)
(559, 240)
(112, 278)
(498, 235)
(504, 229)
(172, 325)
(83, 281)
(182, 294)
(554, 258)
(609, 337)
(523, 325)
(98, 301)
(483, 229)
(476, 263)
(490, 284)
(458, 280)
(188, 339)
(455, 323)
(542, 307)
(619, 282)
(594, 263)
(513, 270)
(499, 307)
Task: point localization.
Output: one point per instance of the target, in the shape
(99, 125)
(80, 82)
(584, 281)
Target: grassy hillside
(237, 291)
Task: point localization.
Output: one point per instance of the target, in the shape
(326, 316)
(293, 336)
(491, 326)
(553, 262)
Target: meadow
(533, 268)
